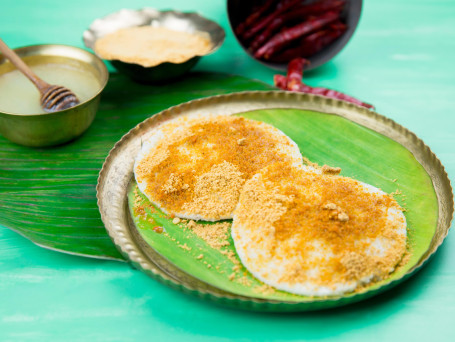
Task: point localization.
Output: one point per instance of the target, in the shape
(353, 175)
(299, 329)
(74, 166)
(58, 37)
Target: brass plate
(117, 173)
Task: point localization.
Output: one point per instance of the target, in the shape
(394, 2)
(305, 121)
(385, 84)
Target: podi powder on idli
(195, 168)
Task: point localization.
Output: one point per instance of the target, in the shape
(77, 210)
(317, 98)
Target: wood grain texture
(48, 195)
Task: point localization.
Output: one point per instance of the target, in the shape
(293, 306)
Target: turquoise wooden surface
(400, 59)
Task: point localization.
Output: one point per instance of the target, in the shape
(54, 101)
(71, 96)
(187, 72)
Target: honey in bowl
(19, 96)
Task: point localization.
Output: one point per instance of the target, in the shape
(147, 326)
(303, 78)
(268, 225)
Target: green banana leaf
(48, 195)
(325, 139)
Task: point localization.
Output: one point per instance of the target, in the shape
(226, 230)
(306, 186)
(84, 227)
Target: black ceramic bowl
(238, 10)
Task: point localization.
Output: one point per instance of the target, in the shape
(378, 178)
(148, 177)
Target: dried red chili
(293, 82)
(280, 81)
(310, 45)
(295, 73)
(282, 6)
(240, 29)
(300, 12)
(332, 94)
(266, 34)
(278, 41)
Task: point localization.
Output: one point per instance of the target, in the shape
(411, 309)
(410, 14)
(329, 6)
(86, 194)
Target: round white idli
(195, 168)
(316, 234)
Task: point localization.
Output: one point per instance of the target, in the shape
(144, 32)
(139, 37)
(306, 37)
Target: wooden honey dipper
(53, 97)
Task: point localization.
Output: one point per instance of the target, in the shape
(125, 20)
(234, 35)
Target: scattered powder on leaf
(214, 234)
(330, 170)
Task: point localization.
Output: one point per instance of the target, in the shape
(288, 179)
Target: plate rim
(129, 244)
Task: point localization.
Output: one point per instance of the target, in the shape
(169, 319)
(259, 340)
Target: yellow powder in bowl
(149, 46)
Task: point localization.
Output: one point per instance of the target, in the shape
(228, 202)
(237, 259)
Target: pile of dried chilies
(293, 82)
(280, 30)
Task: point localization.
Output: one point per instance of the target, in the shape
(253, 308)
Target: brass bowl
(173, 20)
(48, 129)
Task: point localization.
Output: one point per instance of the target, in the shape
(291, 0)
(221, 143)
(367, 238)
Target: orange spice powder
(201, 170)
(317, 207)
